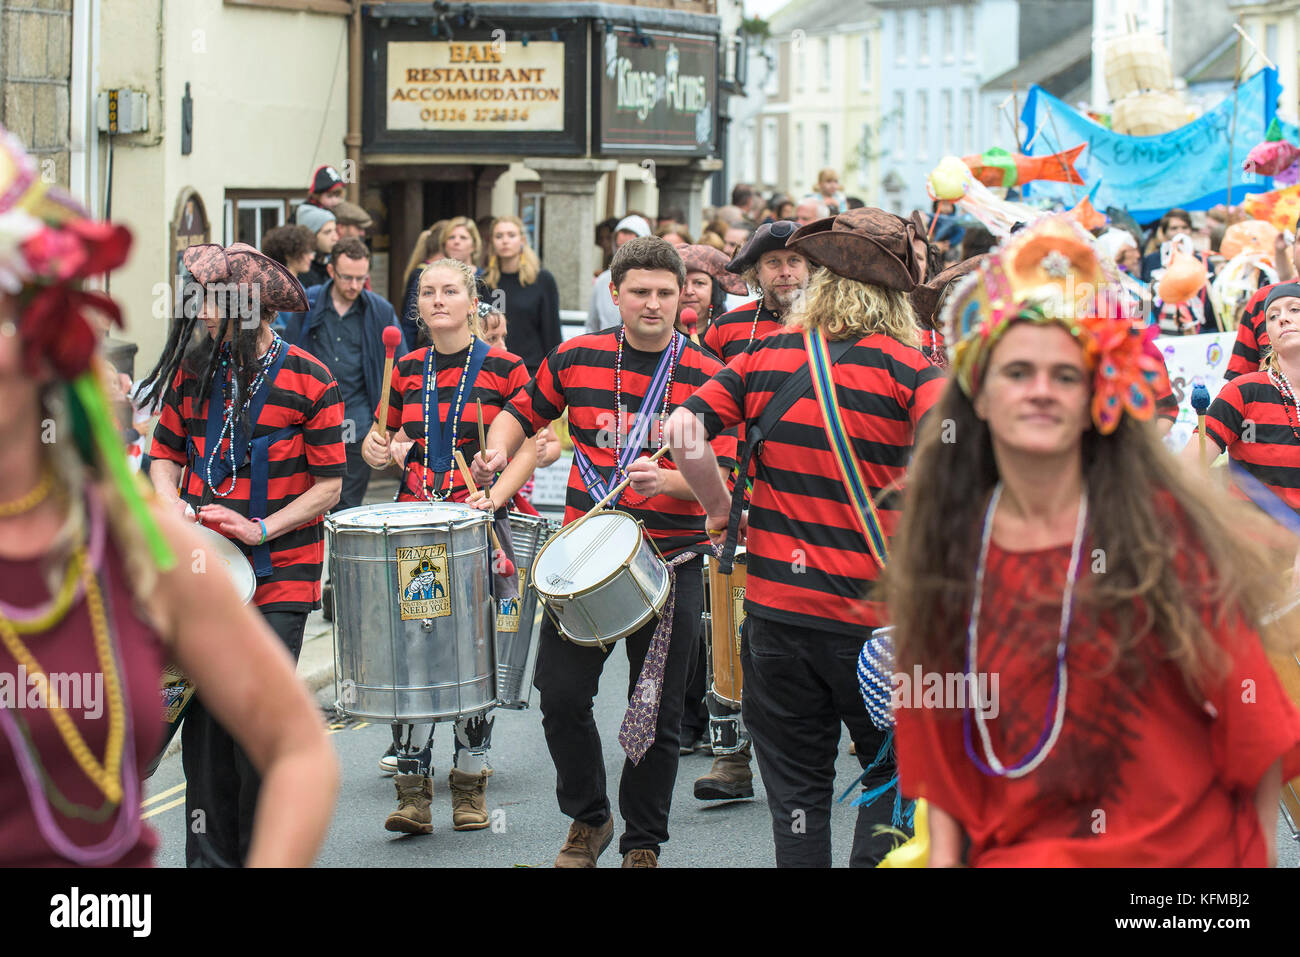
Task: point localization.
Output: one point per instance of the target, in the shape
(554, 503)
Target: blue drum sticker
(423, 580)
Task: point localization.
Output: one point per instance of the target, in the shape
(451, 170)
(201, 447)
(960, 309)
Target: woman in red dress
(1080, 674)
(97, 586)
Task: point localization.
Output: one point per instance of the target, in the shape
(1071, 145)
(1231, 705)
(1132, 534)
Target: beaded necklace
(21, 506)
(1288, 398)
(431, 388)
(228, 417)
(116, 778)
(619, 474)
(1047, 740)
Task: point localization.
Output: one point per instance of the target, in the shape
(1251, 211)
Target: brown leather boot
(730, 778)
(468, 800)
(585, 843)
(640, 857)
(414, 796)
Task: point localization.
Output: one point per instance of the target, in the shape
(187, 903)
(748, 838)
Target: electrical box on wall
(123, 111)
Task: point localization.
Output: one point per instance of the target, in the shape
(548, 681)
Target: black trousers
(355, 481)
(221, 784)
(800, 683)
(695, 711)
(568, 677)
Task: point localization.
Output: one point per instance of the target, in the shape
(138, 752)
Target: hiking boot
(697, 742)
(585, 843)
(729, 778)
(640, 857)
(468, 801)
(414, 795)
(388, 762)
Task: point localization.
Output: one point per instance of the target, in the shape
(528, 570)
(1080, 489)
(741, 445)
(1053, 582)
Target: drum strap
(797, 385)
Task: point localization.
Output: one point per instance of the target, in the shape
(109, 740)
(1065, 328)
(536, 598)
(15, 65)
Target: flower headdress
(1051, 273)
(49, 246)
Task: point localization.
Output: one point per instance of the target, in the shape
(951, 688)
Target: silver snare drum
(601, 579)
(517, 617)
(413, 616)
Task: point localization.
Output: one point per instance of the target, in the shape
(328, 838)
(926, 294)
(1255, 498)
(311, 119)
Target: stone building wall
(35, 73)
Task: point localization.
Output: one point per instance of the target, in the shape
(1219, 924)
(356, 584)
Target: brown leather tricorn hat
(926, 296)
(868, 245)
(701, 258)
(240, 263)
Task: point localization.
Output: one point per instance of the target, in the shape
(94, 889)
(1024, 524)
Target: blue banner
(1147, 175)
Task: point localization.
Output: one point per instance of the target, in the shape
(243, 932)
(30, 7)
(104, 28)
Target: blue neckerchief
(222, 468)
(441, 442)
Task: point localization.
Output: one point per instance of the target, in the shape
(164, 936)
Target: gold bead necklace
(33, 498)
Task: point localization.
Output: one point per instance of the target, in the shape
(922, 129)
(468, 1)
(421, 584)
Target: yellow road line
(165, 794)
(363, 724)
(162, 807)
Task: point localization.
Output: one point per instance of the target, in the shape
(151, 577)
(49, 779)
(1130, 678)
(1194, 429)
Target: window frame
(286, 200)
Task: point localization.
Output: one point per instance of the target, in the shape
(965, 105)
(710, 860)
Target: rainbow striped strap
(819, 364)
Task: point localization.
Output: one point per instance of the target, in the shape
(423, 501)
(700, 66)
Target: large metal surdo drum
(413, 616)
(600, 578)
(517, 617)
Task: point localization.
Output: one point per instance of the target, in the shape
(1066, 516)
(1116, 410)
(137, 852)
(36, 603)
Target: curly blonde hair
(844, 308)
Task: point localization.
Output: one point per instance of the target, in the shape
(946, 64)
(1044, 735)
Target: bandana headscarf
(1051, 273)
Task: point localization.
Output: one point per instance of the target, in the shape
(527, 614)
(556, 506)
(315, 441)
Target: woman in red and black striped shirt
(466, 372)
(810, 574)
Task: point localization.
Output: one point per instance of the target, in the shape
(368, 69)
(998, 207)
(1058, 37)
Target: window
(772, 81)
(799, 156)
(945, 102)
(1270, 42)
(824, 81)
(798, 62)
(923, 36)
(748, 152)
(900, 134)
(922, 124)
(947, 35)
(900, 37)
(968, 32)
(824, 135)
(864, 79)
(968, 121)
(771, 152)
(250, 214)
(864, 157)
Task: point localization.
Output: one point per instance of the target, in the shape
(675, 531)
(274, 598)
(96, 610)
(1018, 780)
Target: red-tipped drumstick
(392, 336)
(691, 320)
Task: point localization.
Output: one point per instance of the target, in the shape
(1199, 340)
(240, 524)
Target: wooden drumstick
(1201, 404)
(614, 492)
(470, 484)
(691, 320)
(392, 336)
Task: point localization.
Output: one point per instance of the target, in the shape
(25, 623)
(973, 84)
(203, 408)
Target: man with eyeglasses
(344, 329)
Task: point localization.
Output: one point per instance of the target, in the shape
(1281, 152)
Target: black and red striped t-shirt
(1252, 339)
(304, 397)
(1251, 421)
(578, 375)
(731, 333)
(808, 559)
(501, 376)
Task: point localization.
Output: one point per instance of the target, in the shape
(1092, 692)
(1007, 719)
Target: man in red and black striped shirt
(1254, 417)
(286, 474)
(602, 379)
(810, 573)
(780, 275)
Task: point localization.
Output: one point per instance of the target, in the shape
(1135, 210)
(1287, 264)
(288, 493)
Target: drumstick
(470, 484)
(614, 492)
(392, 336)
(482, 438)
(1201, 403)
(691, 320)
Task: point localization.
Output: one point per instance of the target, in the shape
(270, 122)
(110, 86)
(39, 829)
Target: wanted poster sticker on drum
(737, 613)
(426, 589)
(508, 608)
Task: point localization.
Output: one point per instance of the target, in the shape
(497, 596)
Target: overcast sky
(763, 8)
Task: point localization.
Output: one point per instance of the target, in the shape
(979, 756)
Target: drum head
(581, 556)
(406, 515)
(223, 550)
